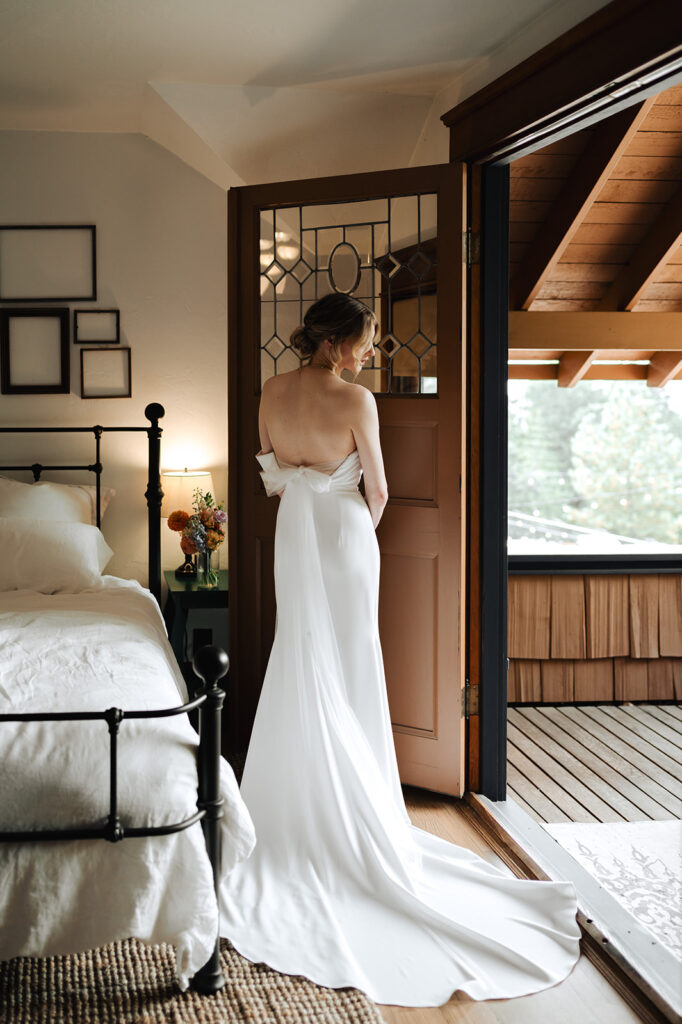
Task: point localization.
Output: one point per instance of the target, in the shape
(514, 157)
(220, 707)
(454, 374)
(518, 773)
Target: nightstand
(184, 595)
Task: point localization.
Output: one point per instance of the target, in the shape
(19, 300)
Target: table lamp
(178, 487)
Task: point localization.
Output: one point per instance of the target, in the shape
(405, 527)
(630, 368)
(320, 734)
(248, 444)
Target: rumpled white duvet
(92, 650)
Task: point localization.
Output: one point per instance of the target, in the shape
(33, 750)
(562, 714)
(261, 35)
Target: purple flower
(219, 515)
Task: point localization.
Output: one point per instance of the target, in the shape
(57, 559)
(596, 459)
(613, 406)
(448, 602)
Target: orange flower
(178, 521)
(205, 514)
(213, 539)
(188, 545)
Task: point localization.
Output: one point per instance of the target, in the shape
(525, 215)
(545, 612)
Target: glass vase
(207, 575)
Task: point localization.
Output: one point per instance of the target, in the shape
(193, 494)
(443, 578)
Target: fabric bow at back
(276, 477)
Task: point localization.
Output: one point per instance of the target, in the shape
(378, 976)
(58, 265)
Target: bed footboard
(210, 664)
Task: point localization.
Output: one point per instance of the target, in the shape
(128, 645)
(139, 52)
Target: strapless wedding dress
(341, 887)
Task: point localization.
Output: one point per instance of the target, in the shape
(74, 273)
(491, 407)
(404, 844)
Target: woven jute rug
(131, 983)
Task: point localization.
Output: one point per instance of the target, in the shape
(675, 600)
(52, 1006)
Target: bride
(341, 887)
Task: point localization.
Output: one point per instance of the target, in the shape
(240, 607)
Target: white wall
(161, 252)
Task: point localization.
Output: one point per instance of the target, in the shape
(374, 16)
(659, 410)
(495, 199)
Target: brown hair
(336, 316)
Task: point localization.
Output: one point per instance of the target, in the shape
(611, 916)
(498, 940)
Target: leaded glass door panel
(394, 240)
(383, 252)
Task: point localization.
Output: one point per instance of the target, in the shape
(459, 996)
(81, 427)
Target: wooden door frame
(244, 206)
(628, 50)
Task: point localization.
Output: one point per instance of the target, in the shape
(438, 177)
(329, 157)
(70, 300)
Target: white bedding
(102, 647)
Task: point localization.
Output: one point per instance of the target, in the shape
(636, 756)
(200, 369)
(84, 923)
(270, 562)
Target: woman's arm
(265, 442)
(365, 427)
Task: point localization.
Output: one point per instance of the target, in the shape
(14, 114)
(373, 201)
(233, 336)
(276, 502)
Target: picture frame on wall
(96, 327)
(106, 372)
(48, 263)
(34, 351)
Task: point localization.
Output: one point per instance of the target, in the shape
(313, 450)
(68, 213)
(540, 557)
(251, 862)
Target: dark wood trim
(571, 206)
(622, 53)
(493, 462)
(365, 185)
(473, 484)
(234, 448)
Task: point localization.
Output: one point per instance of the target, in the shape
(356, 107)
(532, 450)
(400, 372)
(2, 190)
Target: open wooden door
(393, 239)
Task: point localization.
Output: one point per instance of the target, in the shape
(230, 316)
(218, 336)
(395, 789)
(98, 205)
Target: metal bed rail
(210, 664)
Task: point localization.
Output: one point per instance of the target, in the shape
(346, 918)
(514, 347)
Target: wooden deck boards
(596, 763)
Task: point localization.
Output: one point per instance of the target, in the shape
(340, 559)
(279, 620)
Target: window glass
(594, 469)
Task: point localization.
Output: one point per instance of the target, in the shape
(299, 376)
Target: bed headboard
(153, 494)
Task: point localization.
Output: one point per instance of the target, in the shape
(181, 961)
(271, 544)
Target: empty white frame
(96, 326)
(105, 373)
(34, 351)
(47, 263)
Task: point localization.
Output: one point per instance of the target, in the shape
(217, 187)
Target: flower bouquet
(202, 531)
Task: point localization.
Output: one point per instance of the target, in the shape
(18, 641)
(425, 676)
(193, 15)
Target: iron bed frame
(210, 664)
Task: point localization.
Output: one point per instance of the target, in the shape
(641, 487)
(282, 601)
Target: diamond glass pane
(381, 251)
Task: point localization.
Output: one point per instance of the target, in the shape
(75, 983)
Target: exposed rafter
(595, 164)
(663, 366)
(575, 342)
(573, 366)
(660, 241)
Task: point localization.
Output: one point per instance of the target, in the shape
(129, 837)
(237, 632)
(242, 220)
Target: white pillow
(65, 503)
(50, 556)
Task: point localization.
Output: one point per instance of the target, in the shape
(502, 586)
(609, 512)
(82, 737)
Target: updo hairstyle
(336, 316)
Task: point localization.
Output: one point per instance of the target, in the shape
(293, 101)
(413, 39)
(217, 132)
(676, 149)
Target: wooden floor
(584, 996)
(596, 763)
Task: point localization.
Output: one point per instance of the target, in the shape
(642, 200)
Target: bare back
(310, 416)
(307, 415)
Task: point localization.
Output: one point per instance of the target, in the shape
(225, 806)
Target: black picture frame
(80, 330)
(61, 384)
(94, 355)
(15, 281)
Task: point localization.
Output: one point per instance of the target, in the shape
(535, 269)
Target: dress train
(341, 887)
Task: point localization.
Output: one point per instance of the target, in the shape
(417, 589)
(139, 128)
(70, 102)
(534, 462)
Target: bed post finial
(211, 664)
(154, 412)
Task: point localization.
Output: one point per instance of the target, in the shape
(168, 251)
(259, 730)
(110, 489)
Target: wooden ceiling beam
(584, 332)
(548, 371)
(659, 243)
(573, 366)
(663, 366)
(591, 172)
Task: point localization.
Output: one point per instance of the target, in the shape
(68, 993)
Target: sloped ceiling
(268, 89)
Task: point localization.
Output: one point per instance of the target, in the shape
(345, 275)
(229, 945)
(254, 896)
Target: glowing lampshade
(179, 486)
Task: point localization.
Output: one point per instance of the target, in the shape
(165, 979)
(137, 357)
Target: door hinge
(470, 704)
(471, 245)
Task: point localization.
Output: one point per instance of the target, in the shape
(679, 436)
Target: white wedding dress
(341, 887)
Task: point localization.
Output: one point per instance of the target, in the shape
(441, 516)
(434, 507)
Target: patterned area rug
(640, 863)
(131, 983)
